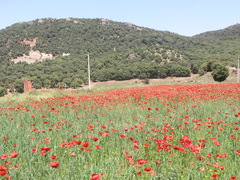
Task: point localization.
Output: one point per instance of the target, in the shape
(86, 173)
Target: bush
(220, 73)
(3, 91)
(146, 81)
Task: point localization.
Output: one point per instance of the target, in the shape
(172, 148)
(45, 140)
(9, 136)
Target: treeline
(67, 70)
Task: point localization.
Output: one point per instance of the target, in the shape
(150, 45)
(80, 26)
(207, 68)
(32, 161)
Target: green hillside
(117, 50)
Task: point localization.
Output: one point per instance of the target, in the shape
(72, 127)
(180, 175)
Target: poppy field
(154, 132)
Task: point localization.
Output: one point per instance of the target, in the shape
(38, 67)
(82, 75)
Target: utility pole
(89, 74)
(238, 72)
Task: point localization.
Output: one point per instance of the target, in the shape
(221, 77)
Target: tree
(67, 81)
(47, 83)
(76, 83)
(220, 73)
(142, 76)
(19, 86)
(210, 65)
(181, 71)
(3, 91)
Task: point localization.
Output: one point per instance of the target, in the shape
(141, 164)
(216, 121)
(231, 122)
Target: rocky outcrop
(131, 57)
(232, 70)
(105, 21)
(40, 21)
(34, 56)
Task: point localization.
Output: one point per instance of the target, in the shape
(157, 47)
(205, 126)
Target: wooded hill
(118, 51)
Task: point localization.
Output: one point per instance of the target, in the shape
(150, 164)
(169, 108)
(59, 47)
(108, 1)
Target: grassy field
(151, 132)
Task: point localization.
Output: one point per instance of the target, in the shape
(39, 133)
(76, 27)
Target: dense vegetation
(118, 51)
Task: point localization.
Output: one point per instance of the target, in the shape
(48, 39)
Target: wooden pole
(89, 74)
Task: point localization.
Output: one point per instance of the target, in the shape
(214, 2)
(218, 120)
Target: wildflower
(54, 157)
(73, 154)
(95, 177)
(54, 164)
(98, 146)
(3, 170)
(147, 169)
(14, 155)
(95, 139)
(214, 176)
(34, 150)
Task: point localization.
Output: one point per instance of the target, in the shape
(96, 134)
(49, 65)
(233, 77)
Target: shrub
(220, 73)
(146, 81)
(3, 91)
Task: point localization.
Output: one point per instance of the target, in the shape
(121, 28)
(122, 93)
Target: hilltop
(53, 51)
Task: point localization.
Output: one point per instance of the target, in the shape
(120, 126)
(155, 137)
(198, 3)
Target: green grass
(82, 113)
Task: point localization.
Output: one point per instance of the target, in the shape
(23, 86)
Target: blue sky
(185, 17)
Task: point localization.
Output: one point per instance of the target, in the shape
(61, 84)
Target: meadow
(158, 132)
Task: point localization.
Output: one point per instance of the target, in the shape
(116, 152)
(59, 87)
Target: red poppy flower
(217, 143)
(95, 139)
(147, 169)
(14, 155)
(214, 176)
(34, 150)
(54, 157)
(54, 164)
(95, 177)
(7, 176)
(122, 135)
(3, 170)
(73, 154)
(85, 144)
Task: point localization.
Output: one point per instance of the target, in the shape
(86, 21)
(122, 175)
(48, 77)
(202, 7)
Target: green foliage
(117, 51)
(181, 71)
(47, 83)
(220, 73)
(146, 81)
(67, 81)
(3, 91)
(19, 85)
(201, 72)
(85, 80)
(210, 65)
(37, 85)
(76, 83)
(142, 76)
